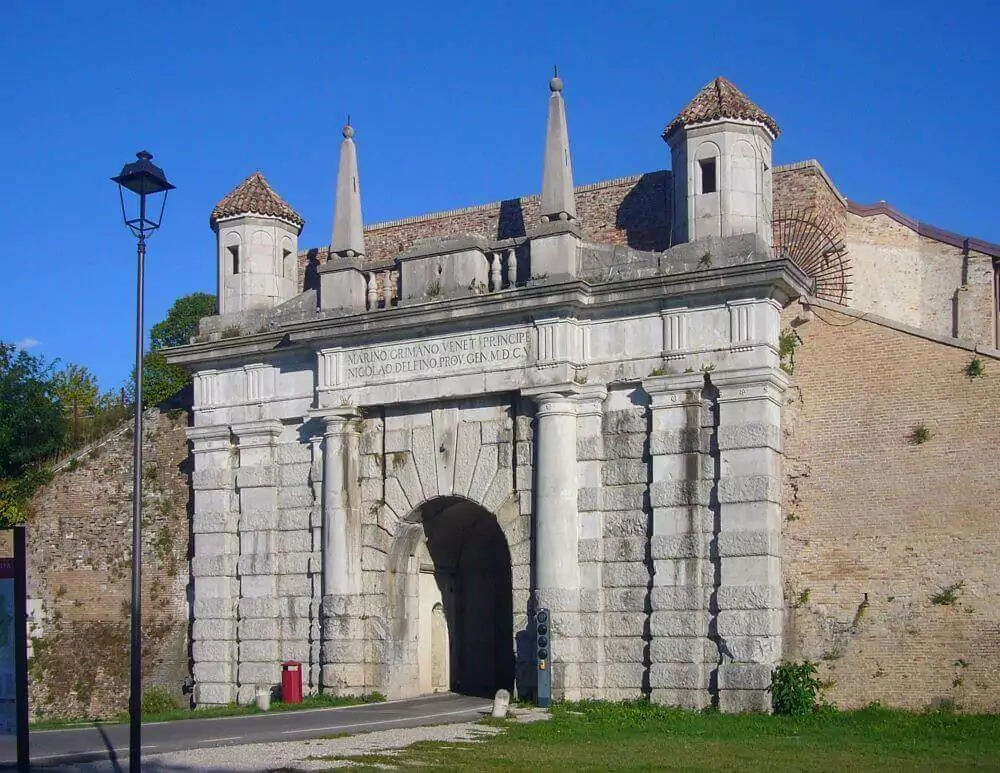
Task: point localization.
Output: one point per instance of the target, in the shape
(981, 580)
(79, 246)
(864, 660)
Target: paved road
(105, 742)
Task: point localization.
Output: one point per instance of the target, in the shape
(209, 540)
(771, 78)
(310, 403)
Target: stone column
(258, 629)
(216, 546)
(557, 567)
(342, 624)
(749, 593)
(681, 651)
(316, 544)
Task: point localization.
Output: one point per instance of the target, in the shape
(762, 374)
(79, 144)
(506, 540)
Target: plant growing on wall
(975, 369)
(795, 689)
(920, 434)
(788, 341)
(948, 596)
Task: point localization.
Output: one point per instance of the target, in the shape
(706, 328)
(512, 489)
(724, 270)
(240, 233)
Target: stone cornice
(257, 432)
(779, 279)
(341, 264)
(428, 248)
(555, 228)
(210, 432)
(672, 384)
(337, 421)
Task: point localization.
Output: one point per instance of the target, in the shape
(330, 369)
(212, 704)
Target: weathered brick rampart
(878, 525)
(80, 542)
(805, 188)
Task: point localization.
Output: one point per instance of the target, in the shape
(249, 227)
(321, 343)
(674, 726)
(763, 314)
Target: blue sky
(898, 101)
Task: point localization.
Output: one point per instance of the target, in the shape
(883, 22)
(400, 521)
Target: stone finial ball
(348, 132)
(555, 84)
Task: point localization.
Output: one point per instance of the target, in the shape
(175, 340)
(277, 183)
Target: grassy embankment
(638, 736)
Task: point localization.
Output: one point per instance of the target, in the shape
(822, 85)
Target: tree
(76, 389)
(160, 379)
(31, 428)
(182, 321)
(31, 420)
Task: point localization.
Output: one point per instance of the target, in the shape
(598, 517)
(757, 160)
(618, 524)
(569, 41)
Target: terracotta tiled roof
(255, 196)
(720, 99)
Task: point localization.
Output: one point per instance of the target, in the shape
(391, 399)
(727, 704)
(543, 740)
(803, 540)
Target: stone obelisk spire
(557, 177)
(348, 239)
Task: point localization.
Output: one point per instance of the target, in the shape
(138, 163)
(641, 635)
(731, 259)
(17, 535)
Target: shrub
(794, 689)
(975, 369)
(787, 343)
(920, 435)
(948, 596)
(158, 700)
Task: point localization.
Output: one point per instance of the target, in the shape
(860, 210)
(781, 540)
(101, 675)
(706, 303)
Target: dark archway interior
(471, 557)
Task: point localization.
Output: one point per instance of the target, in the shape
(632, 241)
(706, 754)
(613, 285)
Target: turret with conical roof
(720, 147)
(258, 237)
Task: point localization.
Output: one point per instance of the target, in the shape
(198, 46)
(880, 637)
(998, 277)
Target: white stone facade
(389, 481)
(628, 454)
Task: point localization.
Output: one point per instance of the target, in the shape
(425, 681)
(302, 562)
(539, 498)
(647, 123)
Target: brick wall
(79, 542)
(877, 525)
(805, 188)
(627, 211)
(633, 211)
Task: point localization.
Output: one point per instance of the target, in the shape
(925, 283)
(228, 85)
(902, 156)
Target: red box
(291, 682)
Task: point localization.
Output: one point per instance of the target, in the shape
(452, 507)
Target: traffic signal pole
(543, 658)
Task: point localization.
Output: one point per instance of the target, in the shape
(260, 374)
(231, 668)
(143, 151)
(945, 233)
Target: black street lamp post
(144, 179)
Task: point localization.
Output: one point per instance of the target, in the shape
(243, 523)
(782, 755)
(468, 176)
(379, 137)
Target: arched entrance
(458, 568)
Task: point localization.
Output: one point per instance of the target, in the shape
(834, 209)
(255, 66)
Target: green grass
(637, 736)
(232, 710)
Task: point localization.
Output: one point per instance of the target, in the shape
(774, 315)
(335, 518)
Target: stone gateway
(405, 443)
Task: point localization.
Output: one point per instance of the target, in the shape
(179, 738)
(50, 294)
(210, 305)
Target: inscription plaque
(437, 356)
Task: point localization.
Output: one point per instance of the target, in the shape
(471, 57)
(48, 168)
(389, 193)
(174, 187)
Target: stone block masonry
(411, 458)
(257, 581)
(715, 548)
(215, 523)
(613, 548)
(429, 531)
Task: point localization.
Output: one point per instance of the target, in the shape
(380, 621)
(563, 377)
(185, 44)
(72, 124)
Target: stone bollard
(501, 702)
(263, 696)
